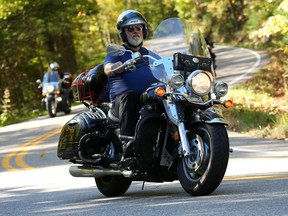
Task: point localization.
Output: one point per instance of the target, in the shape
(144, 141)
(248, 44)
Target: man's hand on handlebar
(111, 69)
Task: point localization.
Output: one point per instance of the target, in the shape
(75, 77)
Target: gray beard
(135, 40)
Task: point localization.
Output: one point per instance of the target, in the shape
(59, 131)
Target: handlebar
(113, 71)
(130, 63)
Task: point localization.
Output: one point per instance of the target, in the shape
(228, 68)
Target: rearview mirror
(115, 50)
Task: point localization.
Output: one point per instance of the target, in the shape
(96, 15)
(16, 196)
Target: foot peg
(128, 149)
(126, 138)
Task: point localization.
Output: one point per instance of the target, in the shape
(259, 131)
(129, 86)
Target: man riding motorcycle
(67, 77)
(127, 85)
(56, 90)
(180, 133)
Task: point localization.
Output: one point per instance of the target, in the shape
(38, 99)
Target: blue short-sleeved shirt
(138, 80)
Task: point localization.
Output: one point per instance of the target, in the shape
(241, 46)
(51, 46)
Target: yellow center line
(256, 177)
(22, 150)
(6, 160)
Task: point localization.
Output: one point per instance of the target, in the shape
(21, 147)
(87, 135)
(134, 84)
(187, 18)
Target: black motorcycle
(181, 134)
(56, 93)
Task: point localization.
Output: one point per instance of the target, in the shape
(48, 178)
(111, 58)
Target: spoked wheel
(52, 108)
(202, 172)
(112, 186)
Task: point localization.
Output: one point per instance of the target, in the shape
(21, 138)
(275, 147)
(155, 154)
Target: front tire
(112, 186)
(52, 108)
(203, 171)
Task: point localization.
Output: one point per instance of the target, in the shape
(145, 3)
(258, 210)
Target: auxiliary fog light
(176, 81)
(220, 89)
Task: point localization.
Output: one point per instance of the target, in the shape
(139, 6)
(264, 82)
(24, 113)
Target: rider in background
(65, 77)
(126, 86)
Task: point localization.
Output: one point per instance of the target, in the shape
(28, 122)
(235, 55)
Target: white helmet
(54, 66)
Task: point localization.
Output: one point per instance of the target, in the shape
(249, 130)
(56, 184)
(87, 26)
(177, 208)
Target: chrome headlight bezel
(176, 81)
(199, 82)
(220, 89)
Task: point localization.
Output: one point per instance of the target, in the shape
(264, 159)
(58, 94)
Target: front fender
(211, 115)
(50, 98)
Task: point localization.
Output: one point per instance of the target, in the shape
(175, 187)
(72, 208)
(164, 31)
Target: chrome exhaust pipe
(96, 172)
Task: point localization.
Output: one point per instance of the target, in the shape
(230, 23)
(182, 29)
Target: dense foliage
(33, 33)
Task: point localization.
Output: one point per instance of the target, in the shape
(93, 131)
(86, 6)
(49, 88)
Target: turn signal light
(176, 136)
(58, 92)
(159, 91)
(228, 103)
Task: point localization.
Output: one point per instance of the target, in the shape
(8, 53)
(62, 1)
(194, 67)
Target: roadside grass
(9, 118)
(260, 104)
(251, 114)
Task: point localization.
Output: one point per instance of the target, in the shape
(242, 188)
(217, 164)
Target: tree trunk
(63, 45)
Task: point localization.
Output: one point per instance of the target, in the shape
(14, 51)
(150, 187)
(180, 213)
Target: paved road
(34, 182)
(236, 65)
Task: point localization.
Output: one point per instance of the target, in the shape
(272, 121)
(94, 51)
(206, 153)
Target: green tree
(34, 33)
(274, 30)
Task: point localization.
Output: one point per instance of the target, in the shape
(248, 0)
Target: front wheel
(112, 186)
(202, 172)
(52, 108)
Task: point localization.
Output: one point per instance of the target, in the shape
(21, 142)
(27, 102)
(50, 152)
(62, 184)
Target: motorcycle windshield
(51, 78)
(174, 35)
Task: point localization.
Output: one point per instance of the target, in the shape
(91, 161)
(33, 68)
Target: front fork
(51, 97)
(175, 114)
(184, 140)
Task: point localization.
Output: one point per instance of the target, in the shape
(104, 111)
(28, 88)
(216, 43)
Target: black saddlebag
(86, 127)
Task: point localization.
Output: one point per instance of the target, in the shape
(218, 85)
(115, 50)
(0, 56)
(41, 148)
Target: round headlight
(176, 81)
(50, 88)
(220, 89)
(199, 82)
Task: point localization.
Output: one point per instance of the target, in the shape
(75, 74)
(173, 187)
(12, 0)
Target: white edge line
(258, 57)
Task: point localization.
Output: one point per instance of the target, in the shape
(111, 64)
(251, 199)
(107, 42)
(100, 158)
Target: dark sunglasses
(132, 28)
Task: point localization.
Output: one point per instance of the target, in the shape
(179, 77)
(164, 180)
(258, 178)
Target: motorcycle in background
(181, 133)
(56, 93)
